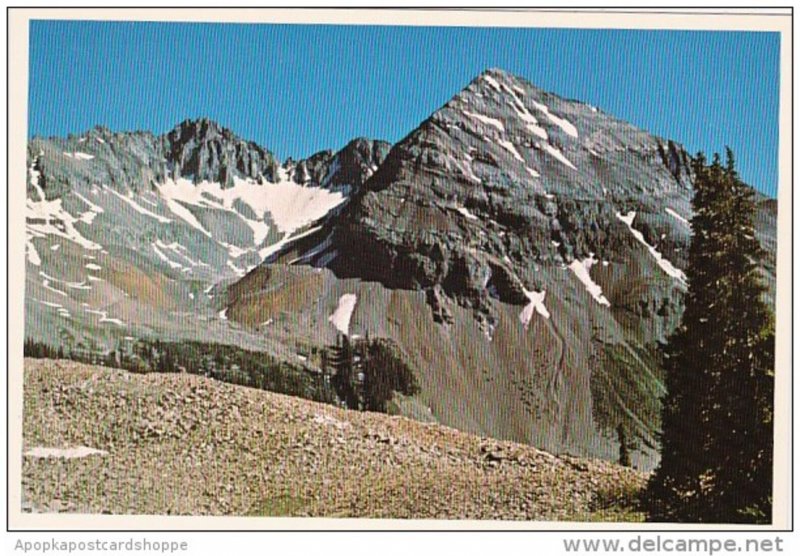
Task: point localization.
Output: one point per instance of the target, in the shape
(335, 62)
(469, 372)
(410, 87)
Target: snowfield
(290, 206)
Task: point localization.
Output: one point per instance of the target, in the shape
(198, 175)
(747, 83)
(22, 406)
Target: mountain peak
(199, 121)
(494, 85)
(199, 127)
(205, 150)
(498, 72)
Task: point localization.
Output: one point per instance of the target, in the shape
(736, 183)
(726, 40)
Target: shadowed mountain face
(506, 177)
(526, 253)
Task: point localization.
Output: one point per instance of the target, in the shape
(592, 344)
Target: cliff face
(505, 178)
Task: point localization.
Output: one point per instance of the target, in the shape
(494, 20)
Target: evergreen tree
(343, 380)
(716, 440)
(624, 448)
(741, 420)
(386, 371)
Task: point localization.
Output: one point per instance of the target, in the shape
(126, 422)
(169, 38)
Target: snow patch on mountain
(137, 207)
(467, 165)
(186, 215)
(163, 257)
(314, 251)
(581, 270)
(530, 120)
(509, 146)
(45, 218)
(33, 178)
(41, 452)
(492, 82)
(79, 155)
(88, 216)
(236, 269)
(536, 304)
(486, 120)
(92, 206)
(292, 206)
(31, 252)
(234, 251)
(674, 214)
(266, 252)
(564, 124)
(103, 316)
(144, 199)
(558, 155)
(343, 313)
(665, 265)
(466, 213)
(82, 285)
(180, 251)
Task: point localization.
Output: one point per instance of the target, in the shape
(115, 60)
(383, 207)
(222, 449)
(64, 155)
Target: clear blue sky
(298, 89)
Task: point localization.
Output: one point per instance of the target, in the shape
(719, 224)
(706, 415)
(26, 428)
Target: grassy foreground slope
(184, 444)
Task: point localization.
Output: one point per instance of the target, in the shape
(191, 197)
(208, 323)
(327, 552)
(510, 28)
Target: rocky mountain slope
(132, 234)
(525, 253)
(97, 440)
